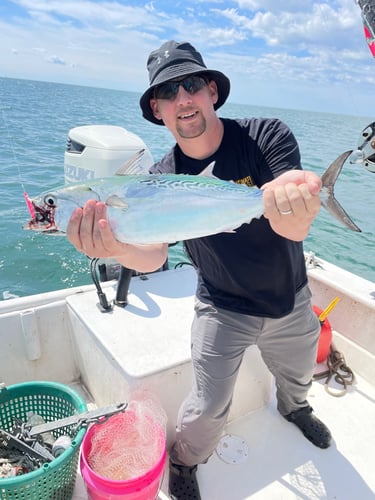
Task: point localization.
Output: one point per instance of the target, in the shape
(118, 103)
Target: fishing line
(10, 140)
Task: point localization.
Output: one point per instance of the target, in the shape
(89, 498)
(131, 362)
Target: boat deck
(282, 464)
(65, 337)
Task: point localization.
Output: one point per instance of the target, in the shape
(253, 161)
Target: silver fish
(146, 209)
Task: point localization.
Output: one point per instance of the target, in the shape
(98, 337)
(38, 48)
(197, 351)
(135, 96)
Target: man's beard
(192, 132)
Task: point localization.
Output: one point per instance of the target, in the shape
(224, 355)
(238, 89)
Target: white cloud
(56, 60)
(290, 43)
(89, 13)
(274, 5)
(321, 25)
(217, 37)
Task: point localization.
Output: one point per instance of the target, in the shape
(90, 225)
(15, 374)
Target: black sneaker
(183, 483)
(312, 428)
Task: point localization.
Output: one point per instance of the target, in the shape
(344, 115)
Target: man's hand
(91, 234)
(291, 203)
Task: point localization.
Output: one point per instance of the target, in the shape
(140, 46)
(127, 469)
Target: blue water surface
(35, 118)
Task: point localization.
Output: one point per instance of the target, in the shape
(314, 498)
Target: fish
(165, 208)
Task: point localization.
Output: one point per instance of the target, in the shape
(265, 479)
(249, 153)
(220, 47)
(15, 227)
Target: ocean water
(35, 118)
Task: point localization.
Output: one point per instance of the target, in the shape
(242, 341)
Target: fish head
(51, 211)
(42, 211)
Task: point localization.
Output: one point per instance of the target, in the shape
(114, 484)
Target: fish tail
(328, 199)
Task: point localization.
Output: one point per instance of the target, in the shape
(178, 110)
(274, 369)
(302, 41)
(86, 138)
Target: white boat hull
(64, 337)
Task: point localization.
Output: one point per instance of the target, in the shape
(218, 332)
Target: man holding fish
(252, 283)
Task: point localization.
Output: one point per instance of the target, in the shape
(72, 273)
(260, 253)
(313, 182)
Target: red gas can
(325, 338)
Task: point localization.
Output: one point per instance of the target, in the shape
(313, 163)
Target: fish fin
(115, 201)
(328, 199)
(133, 165)
(208, 171)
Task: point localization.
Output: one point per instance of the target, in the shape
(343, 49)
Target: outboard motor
(100, 151)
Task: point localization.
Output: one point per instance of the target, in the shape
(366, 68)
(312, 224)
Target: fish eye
(50, 200)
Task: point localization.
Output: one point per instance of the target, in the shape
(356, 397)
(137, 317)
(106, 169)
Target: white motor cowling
(100, 151)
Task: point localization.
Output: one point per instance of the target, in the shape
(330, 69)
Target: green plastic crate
(54, 480)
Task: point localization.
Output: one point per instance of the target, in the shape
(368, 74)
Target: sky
(295, 54)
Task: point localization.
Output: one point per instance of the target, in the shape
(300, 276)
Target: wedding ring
(286, 212)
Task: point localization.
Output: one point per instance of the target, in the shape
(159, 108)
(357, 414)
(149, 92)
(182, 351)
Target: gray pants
(219, 338)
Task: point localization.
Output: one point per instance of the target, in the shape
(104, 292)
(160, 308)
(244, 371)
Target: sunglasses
(169, 90)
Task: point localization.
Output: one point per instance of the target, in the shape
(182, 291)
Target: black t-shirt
(254, 270)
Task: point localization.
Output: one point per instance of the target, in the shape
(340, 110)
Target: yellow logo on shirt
(246, 180)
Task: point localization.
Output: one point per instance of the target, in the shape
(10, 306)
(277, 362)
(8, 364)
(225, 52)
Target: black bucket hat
(173, 61)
